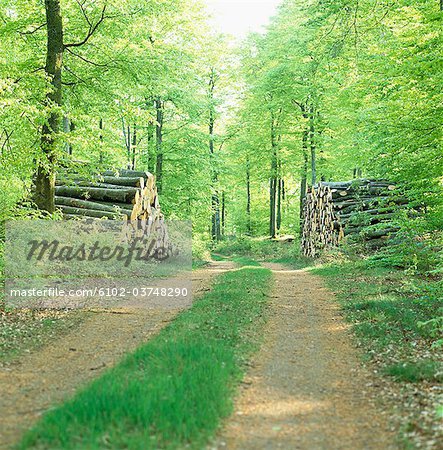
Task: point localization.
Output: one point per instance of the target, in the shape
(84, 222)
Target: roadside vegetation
(394, 300)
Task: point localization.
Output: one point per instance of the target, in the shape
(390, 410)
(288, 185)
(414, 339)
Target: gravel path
(35, 382)
(306, 388)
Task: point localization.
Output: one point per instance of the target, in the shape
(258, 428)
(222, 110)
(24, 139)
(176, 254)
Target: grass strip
(387, 310)
(173, 391)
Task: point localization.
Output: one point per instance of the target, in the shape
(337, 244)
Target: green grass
(385, 306)
(174, 390)
(396, 317)
(415, 372)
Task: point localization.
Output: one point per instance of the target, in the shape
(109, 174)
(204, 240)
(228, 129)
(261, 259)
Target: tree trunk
(45, 176)
(101, 141)
(150, 157)
(66, 130)
(159, 105)
(273, 179)
(248, 198)
(304, 175)
(313, 145)
(134, 147)
(272, 216)
(216, 231)
(223, 214)
(128, 146)
(279, 203)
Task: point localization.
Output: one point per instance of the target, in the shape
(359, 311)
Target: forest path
(306, 388)
(36, 382)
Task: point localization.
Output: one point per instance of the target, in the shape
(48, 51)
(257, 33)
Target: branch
(75, 75)
(7, 137)
(23, 33)
(32, 71)
(84, 59)
(92, 28)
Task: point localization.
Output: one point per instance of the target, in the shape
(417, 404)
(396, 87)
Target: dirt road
(36, 382)
(306, 388)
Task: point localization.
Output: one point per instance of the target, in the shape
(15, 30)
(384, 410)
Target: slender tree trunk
(101, 157)
(150, 157)
(128, 145)
(248, 198)
(441, 5)
(67, 130)
(159, 106)
(313, 145)
(223, 214)
(45, 176)
(273, 181)
(134, 147)
(272, 215)
(215, 229)
(304, 178)
(279, 204)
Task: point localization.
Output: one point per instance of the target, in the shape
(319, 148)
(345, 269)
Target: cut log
(126, 195)
(89, 212)
(99, 206)
(123, 173)
(375, 234)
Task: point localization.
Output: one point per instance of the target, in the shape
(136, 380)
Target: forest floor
(309, 385)
(35, 382)
(306, 387)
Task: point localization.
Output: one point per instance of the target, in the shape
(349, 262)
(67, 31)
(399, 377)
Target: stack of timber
(363, 207)
(319, 222)
(126, 194)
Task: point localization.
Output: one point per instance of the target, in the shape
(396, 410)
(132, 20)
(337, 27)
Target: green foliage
(140, 52)
(372, 75)
(417, 371)
(262, 249)
(389, 311)
(414, 250)
(173, 391)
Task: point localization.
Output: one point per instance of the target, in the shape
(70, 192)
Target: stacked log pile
(127, 194)
(319, 222)
(349, 208)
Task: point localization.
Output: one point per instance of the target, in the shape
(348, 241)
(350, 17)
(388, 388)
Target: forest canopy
(332, 90)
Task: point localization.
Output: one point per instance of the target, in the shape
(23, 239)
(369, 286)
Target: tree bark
(45, 175)
(126, 195)
(273, 181)
(99, 206)
(150, 157)
(101, 141)
(279, 203)
(223, 214)
(66, 130)
(313, 145)
(248, 198)
(304, 175)
(134, 147)
(215, 229)
(159, 106)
